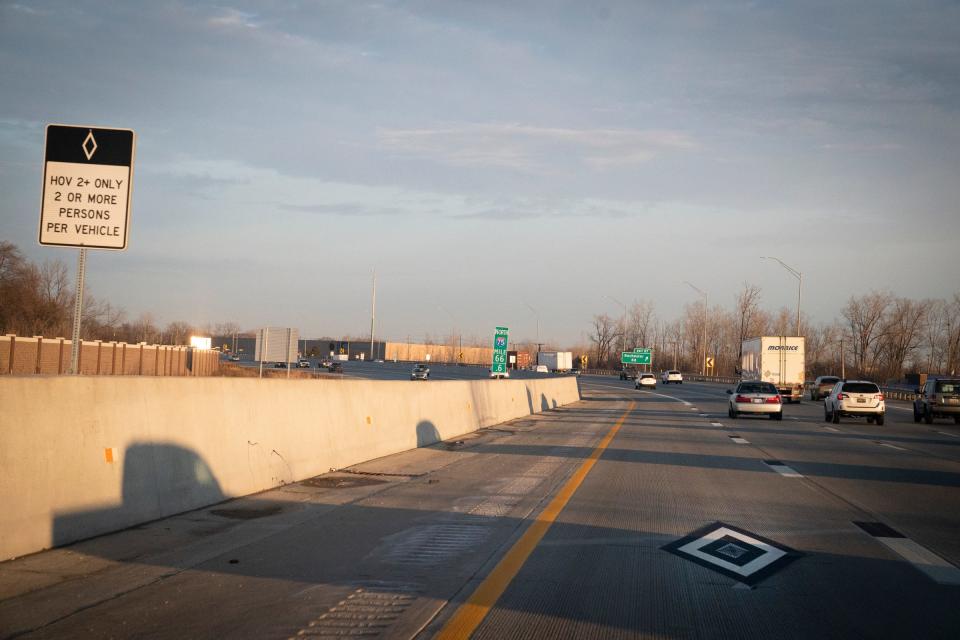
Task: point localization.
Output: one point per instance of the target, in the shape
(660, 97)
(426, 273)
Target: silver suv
(939, 398)
(856, 399)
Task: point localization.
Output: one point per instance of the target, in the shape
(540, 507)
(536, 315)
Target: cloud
(230, 17)
(350, 209)
(531, 148)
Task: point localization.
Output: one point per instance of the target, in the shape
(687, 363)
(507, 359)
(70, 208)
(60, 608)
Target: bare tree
(865, 317)
(603, 335)
(748, 306)
(952, 326)
(640, 324)
(902, 332)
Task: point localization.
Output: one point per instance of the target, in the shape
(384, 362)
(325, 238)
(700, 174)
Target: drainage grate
(433, 544)
(246, 514)
(368, 612)
(327, 482)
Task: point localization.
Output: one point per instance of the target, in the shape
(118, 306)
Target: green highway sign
(637, 356)
(642, 350)
(499, 364)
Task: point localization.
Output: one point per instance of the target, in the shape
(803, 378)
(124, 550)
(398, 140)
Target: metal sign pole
(78, 312)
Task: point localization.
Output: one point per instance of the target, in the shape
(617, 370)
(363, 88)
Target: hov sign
(87, 173)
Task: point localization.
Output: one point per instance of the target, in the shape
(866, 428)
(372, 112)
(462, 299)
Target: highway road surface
(388, 370)
(631, 514)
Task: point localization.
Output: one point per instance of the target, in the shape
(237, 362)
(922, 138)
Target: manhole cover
(739, 554)
(340, 482)
(246, 514)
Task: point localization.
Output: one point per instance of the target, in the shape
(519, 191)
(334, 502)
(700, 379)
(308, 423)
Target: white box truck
(779, 360)
(556, 361)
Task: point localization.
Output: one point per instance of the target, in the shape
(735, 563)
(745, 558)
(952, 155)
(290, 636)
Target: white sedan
(757, 397)
(672, 376)
(646, 381)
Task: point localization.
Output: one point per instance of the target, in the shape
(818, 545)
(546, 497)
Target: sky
(497, 162)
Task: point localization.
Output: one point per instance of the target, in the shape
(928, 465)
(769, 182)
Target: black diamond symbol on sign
(734, 552)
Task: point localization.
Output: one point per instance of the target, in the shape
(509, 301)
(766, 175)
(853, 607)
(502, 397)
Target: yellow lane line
(471, 613)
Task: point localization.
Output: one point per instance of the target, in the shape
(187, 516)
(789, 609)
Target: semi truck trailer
(779, 360)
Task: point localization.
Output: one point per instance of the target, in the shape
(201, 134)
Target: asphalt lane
(389, 370)
(576, 520)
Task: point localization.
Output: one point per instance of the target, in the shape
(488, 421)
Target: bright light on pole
(796, 274)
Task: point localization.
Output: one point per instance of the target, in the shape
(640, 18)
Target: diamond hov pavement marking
(935, 567)
(716, 424)
(739, 440)
(782, 469)
(737, 553)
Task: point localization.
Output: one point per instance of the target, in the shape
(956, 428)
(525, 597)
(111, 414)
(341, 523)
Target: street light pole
(796, 274)
(373, 312)
(703, 363)
(623, 324)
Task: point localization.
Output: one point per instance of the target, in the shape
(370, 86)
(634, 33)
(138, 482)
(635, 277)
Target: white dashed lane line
(891, 446)
(935, 567)
(782, 469)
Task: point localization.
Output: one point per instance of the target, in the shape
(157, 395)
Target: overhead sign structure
(87, 175)
(637, 356)
(499, 364)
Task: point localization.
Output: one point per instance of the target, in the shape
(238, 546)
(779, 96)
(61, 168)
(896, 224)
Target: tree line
(877, 335)
(38, 300)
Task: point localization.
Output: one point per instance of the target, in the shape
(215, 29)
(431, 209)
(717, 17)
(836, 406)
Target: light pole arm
(796, 274)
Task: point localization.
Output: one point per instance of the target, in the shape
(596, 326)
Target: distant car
(235, 358)
(335, 367)
(856, 399)
(304, 364)
(646, 381)
(505, 374)
(420, 372)
(671, 376)
(939, 398)
(755, 396)
(541, 368)
(378, 361)
(822, 386)
(628, 373)
(279, 365)
(574, 372)
(325, 363)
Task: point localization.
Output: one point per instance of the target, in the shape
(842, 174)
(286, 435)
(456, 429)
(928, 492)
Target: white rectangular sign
(87, 178)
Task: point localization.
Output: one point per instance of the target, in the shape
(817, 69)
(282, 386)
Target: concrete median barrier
(82, 456)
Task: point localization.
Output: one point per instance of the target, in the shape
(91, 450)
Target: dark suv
(628, 373)
(822, 387)
(939, 398)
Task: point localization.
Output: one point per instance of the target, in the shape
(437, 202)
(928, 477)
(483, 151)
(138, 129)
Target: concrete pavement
(612, 487)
